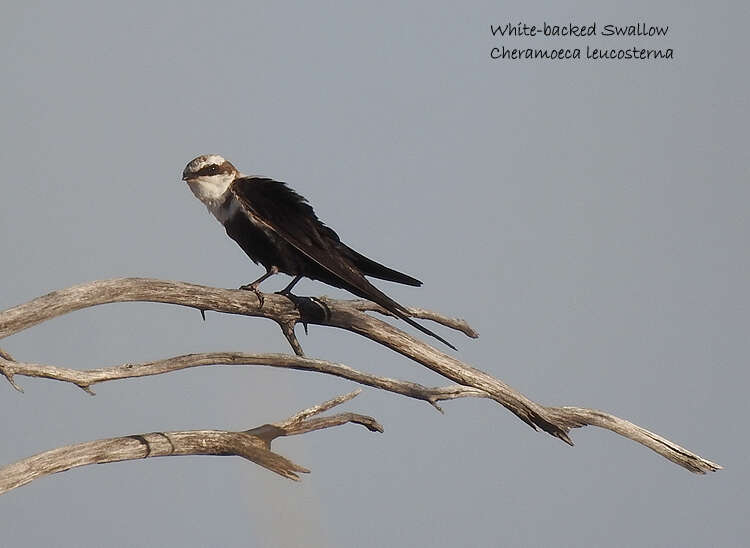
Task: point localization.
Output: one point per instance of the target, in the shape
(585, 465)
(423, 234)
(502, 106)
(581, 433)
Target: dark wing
(292, 219)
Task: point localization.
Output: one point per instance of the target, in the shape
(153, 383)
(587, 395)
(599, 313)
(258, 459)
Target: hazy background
(590, 219)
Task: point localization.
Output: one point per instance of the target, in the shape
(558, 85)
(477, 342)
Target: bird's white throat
(211, 190)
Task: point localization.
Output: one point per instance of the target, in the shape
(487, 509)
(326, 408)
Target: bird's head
(209, 176)
(207, 166)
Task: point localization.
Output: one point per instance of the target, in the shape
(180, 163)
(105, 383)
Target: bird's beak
(184, 177)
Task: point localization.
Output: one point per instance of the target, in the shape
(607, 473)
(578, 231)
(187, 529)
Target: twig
(7, 372)
(454, 323)
(287, 328)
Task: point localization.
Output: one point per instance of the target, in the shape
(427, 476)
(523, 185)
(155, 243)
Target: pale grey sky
(590, 219)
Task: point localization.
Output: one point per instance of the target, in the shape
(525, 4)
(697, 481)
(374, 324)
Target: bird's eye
(209, 170)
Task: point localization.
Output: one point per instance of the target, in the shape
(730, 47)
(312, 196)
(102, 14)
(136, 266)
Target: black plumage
(277, 228)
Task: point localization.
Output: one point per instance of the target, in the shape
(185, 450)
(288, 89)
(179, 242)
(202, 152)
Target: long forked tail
(422, 328)
(382, 272)
(372, 293)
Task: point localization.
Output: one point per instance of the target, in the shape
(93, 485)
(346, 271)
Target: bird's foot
(254, 288)
(311, 310)
(298, 302)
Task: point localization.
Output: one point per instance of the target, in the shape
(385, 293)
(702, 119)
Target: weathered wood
(253, 445)
(85, 379)
(349, 315)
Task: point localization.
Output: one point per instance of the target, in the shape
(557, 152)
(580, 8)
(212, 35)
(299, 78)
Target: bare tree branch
(666, 448)
(86, 379)
(454, 323)
(253, 445)
(348, 315)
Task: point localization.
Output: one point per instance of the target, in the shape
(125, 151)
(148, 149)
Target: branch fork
(253, 445)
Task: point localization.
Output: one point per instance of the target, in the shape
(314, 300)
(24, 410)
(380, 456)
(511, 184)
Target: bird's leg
(309, 308)
(253, 286)
(287, 292)
(288, 289)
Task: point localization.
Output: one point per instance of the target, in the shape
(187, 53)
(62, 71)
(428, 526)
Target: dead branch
(557, 421)
(85, 379)
(253, 445)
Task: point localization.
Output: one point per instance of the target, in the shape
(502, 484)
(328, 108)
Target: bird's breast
(226, 209)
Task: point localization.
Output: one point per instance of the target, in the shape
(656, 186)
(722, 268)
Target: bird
(277, 227)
